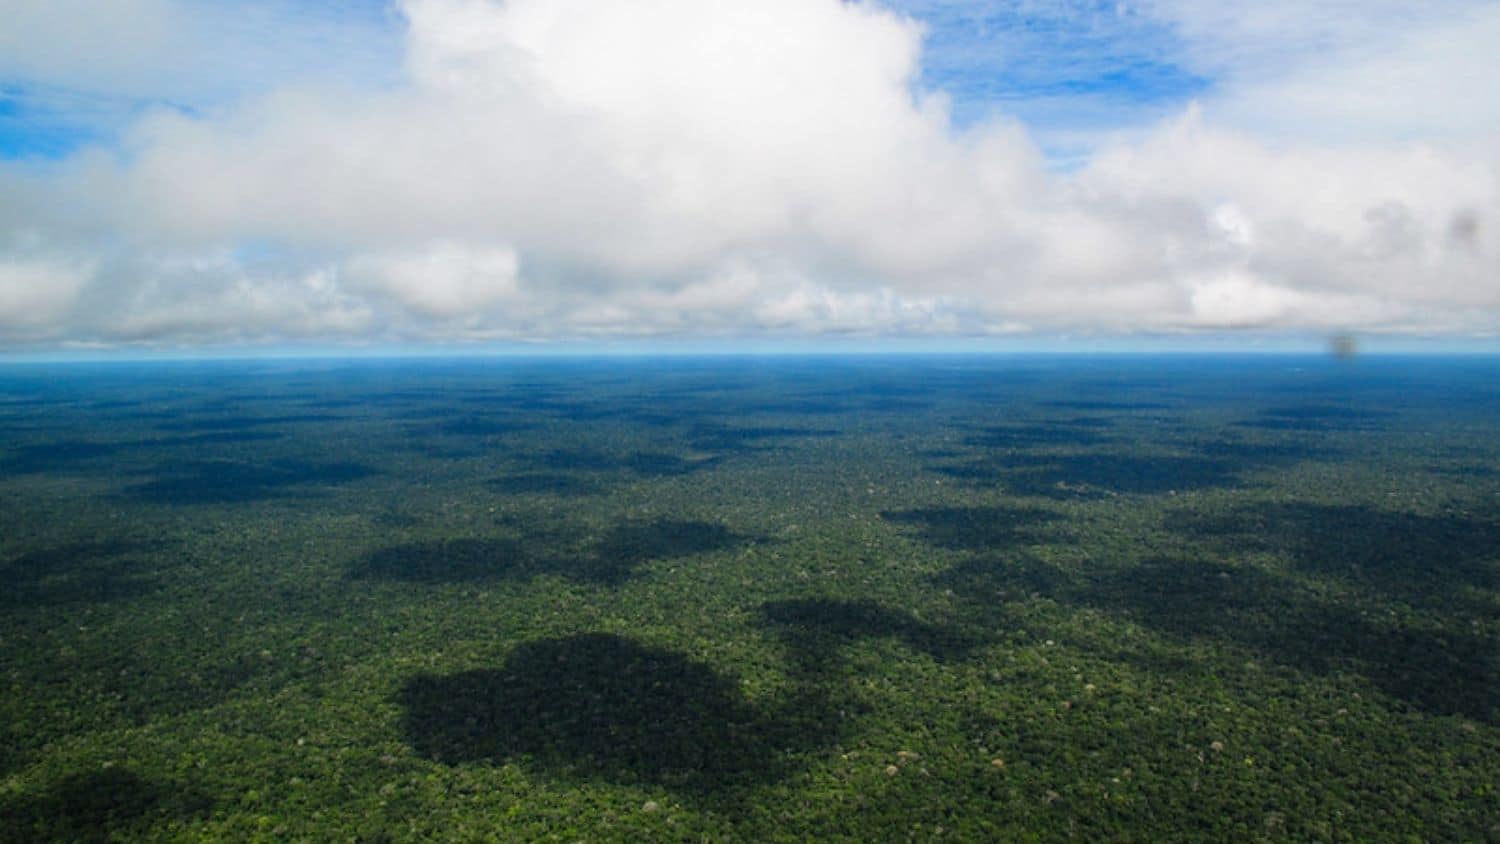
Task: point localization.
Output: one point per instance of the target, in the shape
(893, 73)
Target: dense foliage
(885, 599)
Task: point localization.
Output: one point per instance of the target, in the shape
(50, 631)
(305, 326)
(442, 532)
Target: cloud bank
(548, 169)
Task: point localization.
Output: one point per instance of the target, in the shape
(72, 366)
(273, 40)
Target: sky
(205, 175)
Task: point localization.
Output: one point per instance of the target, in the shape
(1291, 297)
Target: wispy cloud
(1081, 71)
(74, 72)
(1352, 73)
(1057, 66)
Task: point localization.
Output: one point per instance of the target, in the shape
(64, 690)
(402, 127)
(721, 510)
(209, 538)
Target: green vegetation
(968, 599)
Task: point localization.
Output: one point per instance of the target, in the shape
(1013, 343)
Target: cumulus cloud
(35, 291)
(579, 168)
(444, 281)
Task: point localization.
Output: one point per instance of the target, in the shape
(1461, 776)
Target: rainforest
(778, 598)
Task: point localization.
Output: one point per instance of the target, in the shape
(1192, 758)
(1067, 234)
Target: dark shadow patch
(66, 455)
(657, 419)
(570, 460)
(58, 456)
(1195, 598)
(610, 561)
(27, 402)
(579, 411)
(239, 423)
(447, 561)
(653, 465)
(975, 528)
(982, 473)
(1325, 412)
(720, 438)
(597, 706)
(1089, 422)
(1074, 404)
(1097, 475)
(481, 426)
(106, 805)
(1089, 475)
(897, 405)
(798, 407)
(990, 581)
(817, 627)
(395, 519)
(1423, 560)
(1273, 616)
(397, 396)
(1034, 436)
(221, 438)
(1470, 471)
(542, 403)
(1318, 417)
(441, 451)
(1301, 425)
(570, 410)
(645, 464)
(79, 572)
(1439, 672)
(1260, 453)
(544, 484)
(421, 413)
(627, 547)
(490, 398)
(898, 388)
(337, 403)
(225, 482)
(137, 679)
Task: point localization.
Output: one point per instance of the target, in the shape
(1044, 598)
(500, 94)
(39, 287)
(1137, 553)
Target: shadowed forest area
(1049, 598)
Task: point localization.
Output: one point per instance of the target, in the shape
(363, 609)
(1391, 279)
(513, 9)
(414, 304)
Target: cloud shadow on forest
(603, 707)
(103, 805)
(232, 482)
(610, 560)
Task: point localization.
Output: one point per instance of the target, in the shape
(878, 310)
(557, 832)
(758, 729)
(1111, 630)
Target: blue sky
(1064, 69)
(216, 53)
(227, 174)
(1060, 68)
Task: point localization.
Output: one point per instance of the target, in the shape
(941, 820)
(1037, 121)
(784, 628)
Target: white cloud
(1345, 70)
(210, 297)
(445, 280)
(85, 43)
(35, 291)
(188, 51)
(553, 168)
